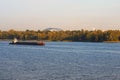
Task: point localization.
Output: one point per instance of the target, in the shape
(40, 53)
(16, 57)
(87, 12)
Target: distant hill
(52, 29)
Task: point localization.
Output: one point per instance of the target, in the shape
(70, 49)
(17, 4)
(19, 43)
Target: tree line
(77, 35)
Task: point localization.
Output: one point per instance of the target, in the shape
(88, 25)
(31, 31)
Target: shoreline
(111, 41)
(60, 41)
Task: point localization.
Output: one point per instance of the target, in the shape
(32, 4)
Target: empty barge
(16, 42)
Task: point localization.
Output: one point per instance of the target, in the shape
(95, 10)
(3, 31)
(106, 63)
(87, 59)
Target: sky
(64, 14)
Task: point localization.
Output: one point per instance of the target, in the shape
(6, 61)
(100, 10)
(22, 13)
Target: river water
(60, 61)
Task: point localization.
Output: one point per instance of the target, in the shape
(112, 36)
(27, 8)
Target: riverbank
(111, 41)
(9, 40)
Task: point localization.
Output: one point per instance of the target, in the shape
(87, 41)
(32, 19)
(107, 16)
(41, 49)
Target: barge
(16, 42)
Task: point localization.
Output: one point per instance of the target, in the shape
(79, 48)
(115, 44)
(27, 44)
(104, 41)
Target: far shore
(111, 41)
(58, 41)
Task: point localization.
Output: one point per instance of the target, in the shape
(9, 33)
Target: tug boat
(16, 42)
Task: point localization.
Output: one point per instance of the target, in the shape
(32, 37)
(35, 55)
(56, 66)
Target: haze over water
(60, 61)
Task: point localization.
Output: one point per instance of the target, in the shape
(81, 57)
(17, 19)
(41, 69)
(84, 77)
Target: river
(60, 61)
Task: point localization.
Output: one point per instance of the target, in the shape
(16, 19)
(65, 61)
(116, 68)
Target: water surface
(60, 61)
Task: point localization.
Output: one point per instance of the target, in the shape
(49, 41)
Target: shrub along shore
(76, 35)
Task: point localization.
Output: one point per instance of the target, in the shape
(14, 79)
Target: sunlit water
(60, 61)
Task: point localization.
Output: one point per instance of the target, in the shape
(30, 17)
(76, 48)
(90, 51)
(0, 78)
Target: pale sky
(65, 14)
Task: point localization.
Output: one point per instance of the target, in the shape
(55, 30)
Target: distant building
(52, 29)
(94, 29)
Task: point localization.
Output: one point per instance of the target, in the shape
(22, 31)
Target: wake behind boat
(16, 42)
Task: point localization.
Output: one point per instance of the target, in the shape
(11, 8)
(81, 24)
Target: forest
(76, 35)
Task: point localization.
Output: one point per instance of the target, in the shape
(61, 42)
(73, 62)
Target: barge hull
(28, 43)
